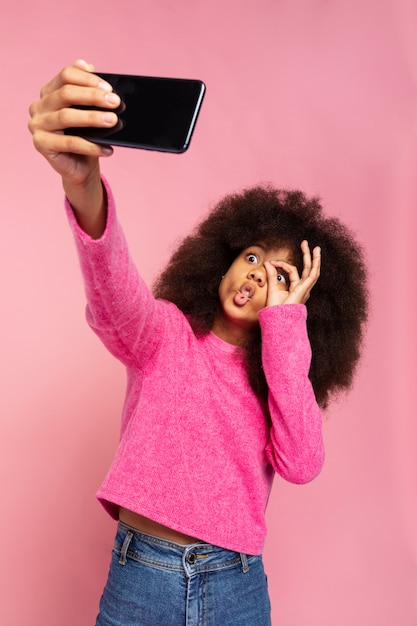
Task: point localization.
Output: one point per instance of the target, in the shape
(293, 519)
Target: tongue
(241, 298)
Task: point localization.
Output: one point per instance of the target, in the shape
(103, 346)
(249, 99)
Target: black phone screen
(156, 113)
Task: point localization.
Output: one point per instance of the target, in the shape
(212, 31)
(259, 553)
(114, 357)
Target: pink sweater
(196, 452)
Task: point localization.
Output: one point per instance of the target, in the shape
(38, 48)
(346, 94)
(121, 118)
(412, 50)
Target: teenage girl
(226, 373)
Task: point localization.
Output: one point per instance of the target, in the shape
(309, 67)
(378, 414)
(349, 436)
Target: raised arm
(73, 158)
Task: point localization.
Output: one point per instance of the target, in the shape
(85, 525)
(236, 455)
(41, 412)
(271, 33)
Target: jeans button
(191, 558)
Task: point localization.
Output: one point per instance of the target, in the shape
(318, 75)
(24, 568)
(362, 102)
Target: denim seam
(204, 600)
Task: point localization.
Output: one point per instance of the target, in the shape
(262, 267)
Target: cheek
(260, 302)
(223, 290)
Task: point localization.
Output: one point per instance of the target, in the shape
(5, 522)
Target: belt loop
(125, 547)
(245, 564)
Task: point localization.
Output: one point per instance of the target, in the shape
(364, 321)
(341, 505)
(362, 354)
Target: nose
(258, 275)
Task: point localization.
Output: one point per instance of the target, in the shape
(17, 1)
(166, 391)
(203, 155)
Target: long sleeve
(120, 307)
(295, 449)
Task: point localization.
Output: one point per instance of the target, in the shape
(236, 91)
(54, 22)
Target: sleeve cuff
(79, 233)
(280, 312)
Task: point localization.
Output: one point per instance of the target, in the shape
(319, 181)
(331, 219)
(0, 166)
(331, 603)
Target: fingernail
(87, 65)
(106, 150)
(105, 86)
(109, 118)
(112, 98)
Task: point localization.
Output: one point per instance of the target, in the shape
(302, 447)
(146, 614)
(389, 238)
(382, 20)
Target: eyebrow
(264, 248)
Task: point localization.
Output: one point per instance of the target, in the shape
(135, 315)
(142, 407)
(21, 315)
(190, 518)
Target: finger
(76, 75)
(76, 118)
(289, 269)
(316, 263)
(54, 112)
(307, 261)
(73, 86)
(76, 95)
(317, 255)
(84, 65)
(271, 273)
(53, 144)
(277, 291)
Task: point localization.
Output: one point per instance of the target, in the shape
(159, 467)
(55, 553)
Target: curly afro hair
(338, 304)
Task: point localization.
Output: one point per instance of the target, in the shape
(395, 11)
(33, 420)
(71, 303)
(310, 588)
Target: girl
(226, 373)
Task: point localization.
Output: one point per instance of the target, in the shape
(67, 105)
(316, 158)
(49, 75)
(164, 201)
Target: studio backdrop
(310, 94)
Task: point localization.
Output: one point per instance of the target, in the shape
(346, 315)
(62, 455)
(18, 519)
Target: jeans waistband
(192, 558)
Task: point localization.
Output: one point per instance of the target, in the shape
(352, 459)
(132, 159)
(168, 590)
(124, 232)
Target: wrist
(88, 187)
(88, 200)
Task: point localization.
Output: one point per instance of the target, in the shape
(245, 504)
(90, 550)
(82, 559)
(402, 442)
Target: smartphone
(155, 114)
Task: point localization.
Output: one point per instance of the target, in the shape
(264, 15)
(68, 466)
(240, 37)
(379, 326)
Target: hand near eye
(299, 288)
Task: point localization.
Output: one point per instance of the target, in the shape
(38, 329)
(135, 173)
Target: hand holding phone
(155, 113)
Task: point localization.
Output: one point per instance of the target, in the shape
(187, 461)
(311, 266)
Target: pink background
(313, 94)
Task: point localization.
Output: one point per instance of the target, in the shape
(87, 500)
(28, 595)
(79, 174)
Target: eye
(252, 258)
(282, 278)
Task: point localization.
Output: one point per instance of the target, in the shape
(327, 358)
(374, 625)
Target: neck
(230, 332)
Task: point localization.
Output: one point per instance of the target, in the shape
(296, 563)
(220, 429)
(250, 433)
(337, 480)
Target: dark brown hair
(337, 307)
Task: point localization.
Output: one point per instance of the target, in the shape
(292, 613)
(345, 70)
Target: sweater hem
(112, 502)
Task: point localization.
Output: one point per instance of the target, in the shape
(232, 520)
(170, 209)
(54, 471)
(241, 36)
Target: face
(243, 291)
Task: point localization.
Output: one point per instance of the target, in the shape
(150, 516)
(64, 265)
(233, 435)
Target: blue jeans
(153, 582)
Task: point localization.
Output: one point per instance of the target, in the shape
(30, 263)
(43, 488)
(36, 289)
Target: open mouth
(247, 290)
(244, 294)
